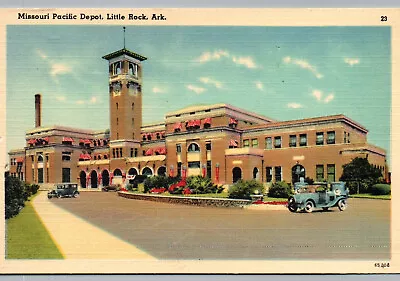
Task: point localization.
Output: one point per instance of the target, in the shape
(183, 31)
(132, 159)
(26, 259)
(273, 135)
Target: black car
(64, 190)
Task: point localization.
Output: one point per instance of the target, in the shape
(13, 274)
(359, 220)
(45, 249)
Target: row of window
(330, 172)
(116, 68)
(193, 147)
(294, 140)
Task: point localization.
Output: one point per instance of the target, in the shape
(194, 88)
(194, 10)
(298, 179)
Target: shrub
(280, 190)
(159, 182)
(244, 189)
(15, 196)
(380, 189)
(200, 185)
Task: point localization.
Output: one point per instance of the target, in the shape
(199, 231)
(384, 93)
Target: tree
(360, 175)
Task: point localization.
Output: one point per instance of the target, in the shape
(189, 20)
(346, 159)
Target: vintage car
(64, 190)
(319, 195)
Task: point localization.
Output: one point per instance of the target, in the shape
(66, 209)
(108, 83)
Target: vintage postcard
(199, 140)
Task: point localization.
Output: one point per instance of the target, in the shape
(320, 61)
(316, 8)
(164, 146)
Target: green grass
(27, 238)
(370, 196)
(271, 199)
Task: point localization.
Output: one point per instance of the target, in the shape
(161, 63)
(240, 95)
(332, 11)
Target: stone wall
(188, 200)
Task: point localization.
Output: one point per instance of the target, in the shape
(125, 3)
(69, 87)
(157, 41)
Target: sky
(284, 73)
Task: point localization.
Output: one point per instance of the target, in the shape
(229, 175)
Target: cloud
(209, 56)
(246, 61)
(320, 96)
(80, 102)
(158, 90)
(197, 90)
(294, 105)
(303, 64)
(41, 54)
(208, 80)
(60, 98)
(59, 68)
(317, 94)
(259, 85)
(329, 98)
(352, 61)
(93, 100)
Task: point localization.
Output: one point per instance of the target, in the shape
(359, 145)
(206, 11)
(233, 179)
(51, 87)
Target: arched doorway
(147, 172)
(93, 179)
(105, 178)
(255, 173)
(236, 174)
(82, 176)
(162, 171)
(117, 173)
(298, 173)
(132, 172)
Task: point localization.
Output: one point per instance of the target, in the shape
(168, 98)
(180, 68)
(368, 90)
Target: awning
(149, 152)
(32, 141)
(68, 139)
(85, 157)
(161, 150)
(86, 141)
(233, 121)
(193, 123)
(178, 126)
(46, 139)
(20, 159)
(207, 121)
(233, 143)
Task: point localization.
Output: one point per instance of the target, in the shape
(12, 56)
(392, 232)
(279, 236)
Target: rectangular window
(254, 143)
(208, 146)
(179, 169)
(303, 139)
(278, 173)
(209, 166)
(268, 143)
(292, 140)
(113, 152)
(194, 165)
(268, 173)
(319, 169)
(345, 137)
(319, 138)
(131, 152)
(277, 142)
(178, 148)
(66, 175)
(330, 172)
(136, 152)
(331, 137)
(246, 143)
(348, 137)
(120, 152)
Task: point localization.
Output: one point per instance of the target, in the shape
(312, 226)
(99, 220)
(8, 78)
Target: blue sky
(282, 72)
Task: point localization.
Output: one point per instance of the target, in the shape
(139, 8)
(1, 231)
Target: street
(168, 231)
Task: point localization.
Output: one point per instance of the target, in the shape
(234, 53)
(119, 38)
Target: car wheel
(48, 196)
(309, 207)
(292, 205)
(325, 208)
(342, 204)
(58, 195)
(76, 194)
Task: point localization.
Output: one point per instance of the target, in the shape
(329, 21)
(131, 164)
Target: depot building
(219, 141)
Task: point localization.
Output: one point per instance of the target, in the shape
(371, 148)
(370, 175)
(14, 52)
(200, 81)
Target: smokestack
(38, 110)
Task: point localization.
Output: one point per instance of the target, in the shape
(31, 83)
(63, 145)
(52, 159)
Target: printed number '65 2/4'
(382, 264)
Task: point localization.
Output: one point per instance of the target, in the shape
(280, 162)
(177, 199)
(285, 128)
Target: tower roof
(124, 51)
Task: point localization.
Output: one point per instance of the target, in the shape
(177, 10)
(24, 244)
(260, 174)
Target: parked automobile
(64, 190)
(319, 195)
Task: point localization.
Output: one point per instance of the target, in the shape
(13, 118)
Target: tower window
(117, 120)
(132, 69)
(116, 68)
(133, 105)
(133, 121)
(116, 104)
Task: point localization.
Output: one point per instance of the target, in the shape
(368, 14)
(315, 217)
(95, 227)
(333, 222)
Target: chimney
(38, 110)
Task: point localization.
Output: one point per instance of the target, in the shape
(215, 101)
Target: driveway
(167, 231)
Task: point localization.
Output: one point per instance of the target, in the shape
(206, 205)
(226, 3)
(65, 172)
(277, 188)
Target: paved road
(168, 231)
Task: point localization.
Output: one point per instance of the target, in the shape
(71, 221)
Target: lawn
(27, 238)
(370, 196)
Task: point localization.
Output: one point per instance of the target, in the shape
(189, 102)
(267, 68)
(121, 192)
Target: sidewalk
(78, 239)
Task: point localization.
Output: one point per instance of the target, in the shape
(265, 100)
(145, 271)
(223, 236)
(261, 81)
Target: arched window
(236, 174)
(147, 171)
(40, 158)
(117, 173)
(193, 147)
(116, 105)
(133, 105)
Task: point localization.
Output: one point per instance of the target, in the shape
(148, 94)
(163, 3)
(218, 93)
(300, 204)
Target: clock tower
(125, 90)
